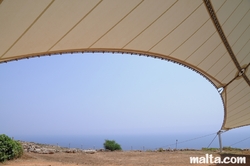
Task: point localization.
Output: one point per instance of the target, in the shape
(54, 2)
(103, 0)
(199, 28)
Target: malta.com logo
(210, 159)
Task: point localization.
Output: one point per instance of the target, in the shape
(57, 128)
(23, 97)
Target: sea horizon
(138, 142)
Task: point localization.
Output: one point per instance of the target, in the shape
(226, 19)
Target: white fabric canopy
(212, 37)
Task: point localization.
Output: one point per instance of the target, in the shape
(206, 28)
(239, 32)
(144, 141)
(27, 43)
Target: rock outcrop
(51, 149)
(41, 149)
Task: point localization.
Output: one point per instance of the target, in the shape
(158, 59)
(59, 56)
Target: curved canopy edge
(209, 36)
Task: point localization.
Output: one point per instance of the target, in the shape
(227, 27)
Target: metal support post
(220, 142)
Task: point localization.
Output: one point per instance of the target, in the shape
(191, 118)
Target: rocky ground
(31, 147)
(49, 155)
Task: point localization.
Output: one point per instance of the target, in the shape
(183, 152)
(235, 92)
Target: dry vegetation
(73, 157)
(129, 158)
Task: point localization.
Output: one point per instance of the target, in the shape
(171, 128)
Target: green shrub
(228, 148)
(210, 149)
(111, 145)
(160, 150)
(9, 149)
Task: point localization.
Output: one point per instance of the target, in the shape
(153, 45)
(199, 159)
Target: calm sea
(141, 142)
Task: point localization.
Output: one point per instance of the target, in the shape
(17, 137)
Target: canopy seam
(224, 39)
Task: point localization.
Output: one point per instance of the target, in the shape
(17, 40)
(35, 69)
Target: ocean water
(141, 142)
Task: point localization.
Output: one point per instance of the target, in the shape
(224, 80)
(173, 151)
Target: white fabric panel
(217, 4)
(241, 27)
(198, 40)
(213, 57)
(142, 17)
(164, 25)
(12, 23)
(220, 64)
(52, 26)
(204, 51)
(181, 33)
(226, 10)
(96, 24)
(232, 21)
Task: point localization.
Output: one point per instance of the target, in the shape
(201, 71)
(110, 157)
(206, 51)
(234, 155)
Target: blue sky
(99, 93)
